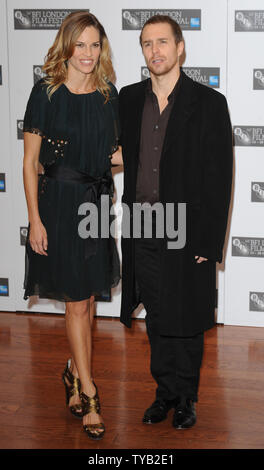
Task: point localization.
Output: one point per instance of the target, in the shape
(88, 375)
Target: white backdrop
(223, 50)
(244, 274)
(8, 238)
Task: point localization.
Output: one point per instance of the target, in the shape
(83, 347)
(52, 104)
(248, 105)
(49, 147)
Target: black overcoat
(196, 169)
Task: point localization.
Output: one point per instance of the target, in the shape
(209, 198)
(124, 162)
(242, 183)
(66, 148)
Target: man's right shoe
(157, 412)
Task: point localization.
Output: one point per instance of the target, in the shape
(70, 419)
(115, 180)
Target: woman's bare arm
(38, 235)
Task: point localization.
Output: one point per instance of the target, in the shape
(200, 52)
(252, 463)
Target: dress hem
(104, 295)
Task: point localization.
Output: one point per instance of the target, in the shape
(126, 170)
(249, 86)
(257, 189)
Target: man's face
(160, 49)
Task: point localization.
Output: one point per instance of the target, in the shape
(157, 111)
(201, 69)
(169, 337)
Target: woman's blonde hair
(55, 65)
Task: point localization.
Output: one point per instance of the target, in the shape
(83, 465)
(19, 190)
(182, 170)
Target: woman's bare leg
(91, 301)
(92, 309)
(78, 326)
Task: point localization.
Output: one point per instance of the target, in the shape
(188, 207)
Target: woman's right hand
(38, 238)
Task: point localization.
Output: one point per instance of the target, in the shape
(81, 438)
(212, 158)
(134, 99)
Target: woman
(70, 128)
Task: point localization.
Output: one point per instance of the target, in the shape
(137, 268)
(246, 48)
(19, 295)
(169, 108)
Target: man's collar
(174, 91)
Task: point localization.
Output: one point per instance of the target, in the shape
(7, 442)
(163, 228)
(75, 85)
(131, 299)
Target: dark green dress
(78, 132)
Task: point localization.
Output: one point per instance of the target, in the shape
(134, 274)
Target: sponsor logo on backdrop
(256, 301)
(23, 235)
(249, 136)
(2, 183)
(4, 291)
(37, 73)
(258, 79)
(206, 75)
(249, 20)
(20, 135)
(1, 82)
(187, 19)
(248, 246)
(40, 19)
(209, 76)
(257, 192)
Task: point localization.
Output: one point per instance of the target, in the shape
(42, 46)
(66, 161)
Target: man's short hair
(164, 19)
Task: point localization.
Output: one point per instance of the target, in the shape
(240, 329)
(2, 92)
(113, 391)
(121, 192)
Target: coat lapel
(137, 111)
(183, 107)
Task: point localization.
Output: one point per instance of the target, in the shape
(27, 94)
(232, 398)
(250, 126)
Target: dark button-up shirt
(153, 129)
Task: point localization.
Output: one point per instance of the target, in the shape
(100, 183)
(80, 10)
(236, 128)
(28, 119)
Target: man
(177, 148)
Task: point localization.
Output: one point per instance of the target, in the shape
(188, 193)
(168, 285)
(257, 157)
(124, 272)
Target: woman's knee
(78, 309)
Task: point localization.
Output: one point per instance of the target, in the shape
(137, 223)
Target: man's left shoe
(185, 415)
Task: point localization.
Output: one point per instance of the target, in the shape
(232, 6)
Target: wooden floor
(33, 415)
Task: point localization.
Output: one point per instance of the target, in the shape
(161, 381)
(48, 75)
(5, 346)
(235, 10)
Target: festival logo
(209, 76)
(249, 136)
(40, 19)
(20, 135)
(37, 73)
(189, 20)
(249, 20)
(144, 73)
(256, 301)
(248, 246)
(257, 192)
(258, 79)
(23, 235)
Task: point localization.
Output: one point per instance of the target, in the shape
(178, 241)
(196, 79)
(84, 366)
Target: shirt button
(155, 170)
(154, 191)
(156, 127)
(156, 148)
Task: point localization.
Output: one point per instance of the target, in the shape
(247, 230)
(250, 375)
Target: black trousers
(175, 361)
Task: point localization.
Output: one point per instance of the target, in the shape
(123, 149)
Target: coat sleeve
(216, 181)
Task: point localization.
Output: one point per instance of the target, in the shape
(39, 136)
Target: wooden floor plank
(33, 415)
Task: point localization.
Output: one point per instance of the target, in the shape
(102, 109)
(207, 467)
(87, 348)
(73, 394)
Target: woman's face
(86, 52)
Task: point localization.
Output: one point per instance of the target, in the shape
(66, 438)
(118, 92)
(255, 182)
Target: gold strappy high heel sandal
(72, 387)
(92, 405)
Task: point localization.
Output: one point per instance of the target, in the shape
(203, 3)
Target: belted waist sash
(95, 187)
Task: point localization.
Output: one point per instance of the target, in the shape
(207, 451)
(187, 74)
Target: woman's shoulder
(39, 90)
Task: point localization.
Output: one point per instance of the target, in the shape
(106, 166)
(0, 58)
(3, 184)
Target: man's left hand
(200, 259)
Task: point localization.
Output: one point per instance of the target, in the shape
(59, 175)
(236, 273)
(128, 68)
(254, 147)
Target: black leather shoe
(157, 412)
(185, 415)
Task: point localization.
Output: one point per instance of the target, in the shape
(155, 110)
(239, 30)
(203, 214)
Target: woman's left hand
(200, 259)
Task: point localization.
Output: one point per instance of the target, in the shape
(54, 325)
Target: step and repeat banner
(223, 50)
(8, 238)
(244, 272)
